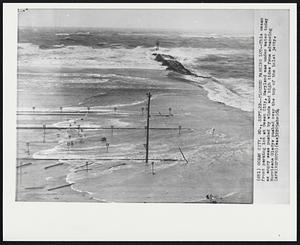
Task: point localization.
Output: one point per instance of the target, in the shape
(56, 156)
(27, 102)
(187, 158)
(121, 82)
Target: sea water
(111, 71)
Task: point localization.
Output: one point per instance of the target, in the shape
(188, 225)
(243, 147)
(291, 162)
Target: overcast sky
(213, 21)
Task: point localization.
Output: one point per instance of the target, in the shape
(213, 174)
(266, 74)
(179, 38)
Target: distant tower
(157, 45)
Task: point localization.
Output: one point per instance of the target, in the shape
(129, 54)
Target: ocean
(108, 72)
(227, 59)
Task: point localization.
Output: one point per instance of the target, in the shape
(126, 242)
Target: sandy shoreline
(219, 164)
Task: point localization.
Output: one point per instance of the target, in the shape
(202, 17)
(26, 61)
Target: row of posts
(81, 130)
(115, 110)
(107, 144)
(170, 111)
(61, 109)
(70, 143)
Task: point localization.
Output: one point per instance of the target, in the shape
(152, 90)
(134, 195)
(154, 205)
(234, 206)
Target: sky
(212, 21)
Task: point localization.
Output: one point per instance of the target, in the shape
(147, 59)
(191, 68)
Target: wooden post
(86, 165)
(152, 168)
(69, 142)
(143, 111)
(179, 129)
(88, 108)
(44, 138)
(33, 108)
(170, 111)
(81, 139)
(107, 145)
(183, 155)
(213, 131)
(145, 146)
(112, 130)
(148, 115)
(60, 109)
(28, 148)
(58, 187)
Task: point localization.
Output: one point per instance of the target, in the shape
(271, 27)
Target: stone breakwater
(174, 65)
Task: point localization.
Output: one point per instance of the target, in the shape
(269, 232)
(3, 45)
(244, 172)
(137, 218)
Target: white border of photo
(46, 221)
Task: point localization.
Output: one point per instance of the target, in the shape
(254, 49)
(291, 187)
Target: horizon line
(140, 28)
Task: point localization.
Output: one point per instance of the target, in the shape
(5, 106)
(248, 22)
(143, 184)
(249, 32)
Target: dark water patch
(227, 66)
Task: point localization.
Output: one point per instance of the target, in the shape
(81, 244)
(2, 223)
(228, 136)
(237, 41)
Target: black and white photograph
(135, 106)
(149, 122)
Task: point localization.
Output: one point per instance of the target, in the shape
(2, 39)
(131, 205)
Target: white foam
(83, 77)
(86, 57)
(118, 123)
(62, 34)
(237, 93)
(122, 105)
(115, 168)
(232, 92)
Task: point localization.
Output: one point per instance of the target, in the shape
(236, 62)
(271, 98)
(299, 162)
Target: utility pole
(148, 115)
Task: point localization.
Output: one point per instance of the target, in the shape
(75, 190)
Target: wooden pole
(23, 165)
(44, 138)
(183, 155)
(54, 165)
(58, 187)
(213, 131)
(153, 168)
(28, 148)
(147, 136)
